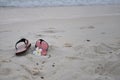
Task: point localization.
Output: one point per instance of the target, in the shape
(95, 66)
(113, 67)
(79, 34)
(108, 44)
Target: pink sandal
(22, 48)
(42, 44)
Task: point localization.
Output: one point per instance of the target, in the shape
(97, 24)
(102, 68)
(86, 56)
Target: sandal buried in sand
(43, 45)
(22, 48)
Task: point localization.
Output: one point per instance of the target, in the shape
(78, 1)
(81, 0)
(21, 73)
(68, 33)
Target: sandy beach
(84, 43)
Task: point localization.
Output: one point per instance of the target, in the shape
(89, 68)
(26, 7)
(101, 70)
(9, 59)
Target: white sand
(84, 43)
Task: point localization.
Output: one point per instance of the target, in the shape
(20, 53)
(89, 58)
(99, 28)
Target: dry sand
(84, 43)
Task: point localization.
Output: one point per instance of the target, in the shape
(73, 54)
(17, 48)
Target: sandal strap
(41, 40)
(22, 40)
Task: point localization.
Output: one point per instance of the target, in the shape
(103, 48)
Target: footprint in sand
(67, 45)
(5, 31)
(106, 48)
(87, 27)
(112, 67)
(99, 69)
(103, 49)
(103, 78)
(39, 35)
(7, 60)
(72, 57)
(52, 31)
(32, 71)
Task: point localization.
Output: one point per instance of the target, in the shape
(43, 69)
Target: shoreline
(60, 6)
(62, 12)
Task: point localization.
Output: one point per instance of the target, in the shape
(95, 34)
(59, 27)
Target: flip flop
(42, 44)
(22, 46)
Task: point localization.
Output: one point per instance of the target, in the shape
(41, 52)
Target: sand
(84, 43)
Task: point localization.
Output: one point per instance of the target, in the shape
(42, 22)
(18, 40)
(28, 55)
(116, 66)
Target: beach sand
(84, 43)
